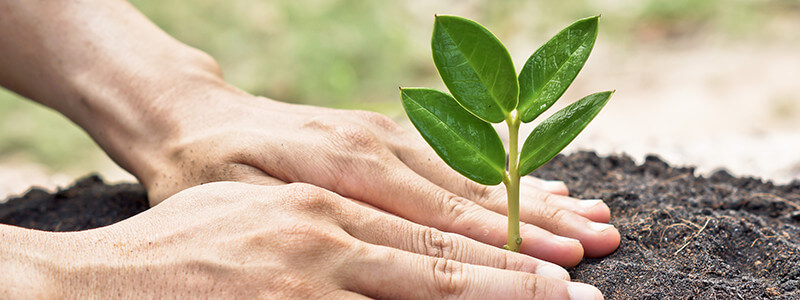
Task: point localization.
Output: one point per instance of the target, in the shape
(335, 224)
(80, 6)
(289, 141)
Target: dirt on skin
(683, 236)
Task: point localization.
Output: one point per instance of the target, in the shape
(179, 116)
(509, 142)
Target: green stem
(512, 184)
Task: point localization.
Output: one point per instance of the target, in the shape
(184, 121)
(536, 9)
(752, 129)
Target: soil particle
(683, 236)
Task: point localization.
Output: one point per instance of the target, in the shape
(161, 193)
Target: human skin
(162, 111)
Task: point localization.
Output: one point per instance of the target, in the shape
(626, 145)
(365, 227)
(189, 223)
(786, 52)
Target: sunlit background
(708, 83)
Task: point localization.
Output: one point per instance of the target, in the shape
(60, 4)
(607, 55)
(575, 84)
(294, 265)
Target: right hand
(295, 241)
(222, 134)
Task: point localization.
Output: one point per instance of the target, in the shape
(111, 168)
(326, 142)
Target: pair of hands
(380, 216)
(344, 203)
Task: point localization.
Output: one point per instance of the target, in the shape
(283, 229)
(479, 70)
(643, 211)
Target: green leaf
(553, 67)
(555, 133)
(475, 67)
(467, 144)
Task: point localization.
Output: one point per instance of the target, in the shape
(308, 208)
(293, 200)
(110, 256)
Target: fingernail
(589, 203)
(600, 226)
(581, 291)
(564, 239)
(552, 271)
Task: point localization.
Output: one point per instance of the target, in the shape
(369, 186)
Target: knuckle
(437, 244)
(508, 262)
(357, 138)
(556, 214)
(379, 120)
(449, 279)
(311, 241)
(455, 207)
(550, 212)
(479, 191)
(308, 197)
(323, 123)
(554, 218)
(534, 287)
(547, 198)
(551, 199)
(342, 132)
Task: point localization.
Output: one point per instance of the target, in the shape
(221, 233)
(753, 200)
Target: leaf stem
(512, 183)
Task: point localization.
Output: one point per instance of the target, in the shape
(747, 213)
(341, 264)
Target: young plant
(478, 71)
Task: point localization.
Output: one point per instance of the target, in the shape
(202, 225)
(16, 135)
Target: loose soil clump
(683, 236)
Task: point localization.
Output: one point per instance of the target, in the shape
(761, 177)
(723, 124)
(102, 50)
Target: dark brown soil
(88, 203)
(683, 236)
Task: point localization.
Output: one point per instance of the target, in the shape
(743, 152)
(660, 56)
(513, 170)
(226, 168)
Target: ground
(688, 237)
(684, 236)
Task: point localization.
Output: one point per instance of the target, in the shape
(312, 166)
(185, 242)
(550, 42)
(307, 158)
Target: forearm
(107, 68)
(53, 265)
(28, 268)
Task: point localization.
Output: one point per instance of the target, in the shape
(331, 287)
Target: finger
(421, 159)
(555, 187)
(387, 230)
(597, 239)
(559, 215)
(424, 161)
(495, 199)
(593, 209)
(390, 273)
(344, 295)
(402, 192)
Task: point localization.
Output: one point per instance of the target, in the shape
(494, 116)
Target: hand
(292, 241)
(368, 157)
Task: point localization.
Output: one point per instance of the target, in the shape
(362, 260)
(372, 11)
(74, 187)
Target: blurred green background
(355, 53)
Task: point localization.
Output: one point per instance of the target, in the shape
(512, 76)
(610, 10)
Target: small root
(693, 236)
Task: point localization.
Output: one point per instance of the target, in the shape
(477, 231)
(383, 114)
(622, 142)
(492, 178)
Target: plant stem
(512, 183)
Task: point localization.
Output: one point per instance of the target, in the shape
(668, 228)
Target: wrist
(107, 68)
(134, 113)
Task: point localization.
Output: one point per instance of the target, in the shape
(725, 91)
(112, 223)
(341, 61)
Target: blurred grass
(355, 53)
(33, 132)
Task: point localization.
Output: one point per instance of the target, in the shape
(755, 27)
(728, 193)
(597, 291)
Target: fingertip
(560, 250)
(552, 271)
(573, 252)
(582, 291)
(605, 242)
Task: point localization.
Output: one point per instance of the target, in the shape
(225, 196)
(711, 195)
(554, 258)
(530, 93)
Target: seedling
(478, 71)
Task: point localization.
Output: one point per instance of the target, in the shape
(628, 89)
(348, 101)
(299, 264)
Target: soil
(683, 236)
(88, 203)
